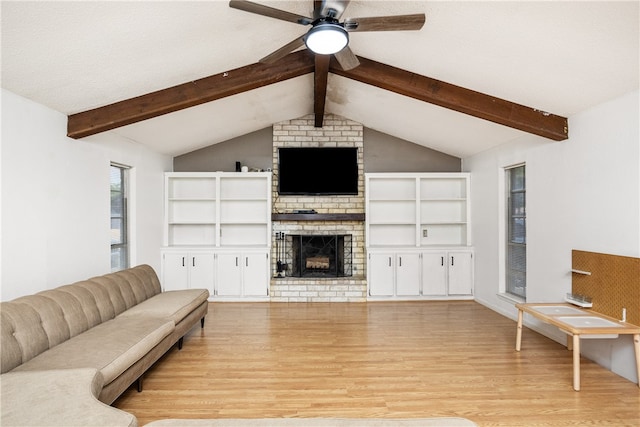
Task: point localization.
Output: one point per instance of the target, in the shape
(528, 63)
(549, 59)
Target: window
(119, 218)
(516, 251)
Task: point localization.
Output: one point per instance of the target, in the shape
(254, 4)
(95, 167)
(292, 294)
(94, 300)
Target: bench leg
(139, 384)
(202, 322)
(576, 362)
(636, 346)
(180, 343)
(519, 330)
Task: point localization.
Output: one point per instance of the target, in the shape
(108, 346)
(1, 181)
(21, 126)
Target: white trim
(510, 298)
(132, 212)
(130, 196)
(502, 232)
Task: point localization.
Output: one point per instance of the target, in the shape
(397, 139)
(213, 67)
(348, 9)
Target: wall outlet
(425, 233)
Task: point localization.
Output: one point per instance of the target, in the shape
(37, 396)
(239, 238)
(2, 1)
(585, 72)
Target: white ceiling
(558, 56)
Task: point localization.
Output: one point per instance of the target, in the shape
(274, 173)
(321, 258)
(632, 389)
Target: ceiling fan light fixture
(326, 38)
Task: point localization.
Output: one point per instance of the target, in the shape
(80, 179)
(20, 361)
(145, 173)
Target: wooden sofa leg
(139, 384)
(202, 323)
(180, 343)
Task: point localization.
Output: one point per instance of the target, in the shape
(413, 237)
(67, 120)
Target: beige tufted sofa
(67, 353)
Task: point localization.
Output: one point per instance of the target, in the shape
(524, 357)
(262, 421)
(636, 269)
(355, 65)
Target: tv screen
(318, 171)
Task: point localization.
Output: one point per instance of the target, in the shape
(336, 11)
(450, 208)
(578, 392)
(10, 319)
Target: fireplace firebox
(319, 255)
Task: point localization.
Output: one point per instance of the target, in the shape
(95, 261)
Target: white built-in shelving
(218, 209)
(211, 217)
(417, 209)
(418, 227)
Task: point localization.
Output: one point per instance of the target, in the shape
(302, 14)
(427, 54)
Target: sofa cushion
(57, 398)
(175, 305)
(97, 308)
(110, 347)
(23, 335)
(143, 280)
(73, 312)
(133, 286)
(106, 298)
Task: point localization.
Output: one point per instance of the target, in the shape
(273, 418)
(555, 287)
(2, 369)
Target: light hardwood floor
(378, 359)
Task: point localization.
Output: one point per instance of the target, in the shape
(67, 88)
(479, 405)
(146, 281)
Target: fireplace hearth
(318, 256)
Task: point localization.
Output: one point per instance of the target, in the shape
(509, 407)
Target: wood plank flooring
(377, 359)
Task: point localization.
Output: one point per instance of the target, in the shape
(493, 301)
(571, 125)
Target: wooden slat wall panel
(614, 283)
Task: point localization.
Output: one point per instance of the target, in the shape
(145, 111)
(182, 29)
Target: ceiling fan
(327, 34)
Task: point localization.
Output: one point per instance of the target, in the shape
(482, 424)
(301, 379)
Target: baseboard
(534, 325)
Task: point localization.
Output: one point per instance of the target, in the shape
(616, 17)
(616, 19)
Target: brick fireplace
(335, 216)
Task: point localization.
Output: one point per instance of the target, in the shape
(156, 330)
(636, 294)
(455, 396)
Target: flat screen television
(318, 171)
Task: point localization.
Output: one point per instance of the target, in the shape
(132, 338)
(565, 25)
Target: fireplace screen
(319, 255)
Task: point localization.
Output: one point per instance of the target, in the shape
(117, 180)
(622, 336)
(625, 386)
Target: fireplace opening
(319, 255)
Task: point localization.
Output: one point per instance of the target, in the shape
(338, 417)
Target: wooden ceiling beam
(457, 98)
(320, 88)
(299, 63)
(187, 95)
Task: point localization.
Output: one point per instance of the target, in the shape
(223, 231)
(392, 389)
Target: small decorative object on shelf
(579, 300)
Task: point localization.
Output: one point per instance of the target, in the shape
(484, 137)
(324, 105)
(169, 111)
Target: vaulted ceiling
(183, 75)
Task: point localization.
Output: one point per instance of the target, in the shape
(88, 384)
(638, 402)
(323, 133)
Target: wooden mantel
(317, 217)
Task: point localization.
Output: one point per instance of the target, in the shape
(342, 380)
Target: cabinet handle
(400, 261)
(193, 261)
(236, 261)
(183, 261)
(246, 261)
(442, 261)
(389, 261)
(451, 260)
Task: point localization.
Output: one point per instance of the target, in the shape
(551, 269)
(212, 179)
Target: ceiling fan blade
(333, 8)
(283, 51)
(271, 12)
(346, 59)
(386, 23)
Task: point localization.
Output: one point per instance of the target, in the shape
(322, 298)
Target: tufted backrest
(32, 324)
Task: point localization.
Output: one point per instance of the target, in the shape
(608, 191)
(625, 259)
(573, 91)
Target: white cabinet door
(408, 274)
(201, 271)
(255, 274)
(380, 277)
(184, 270)
(460, 273)
(175, 273)
(229, 278)
(434, 273)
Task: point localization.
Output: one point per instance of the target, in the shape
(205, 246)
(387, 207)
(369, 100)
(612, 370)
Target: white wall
(582, 193)
(55, 200)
